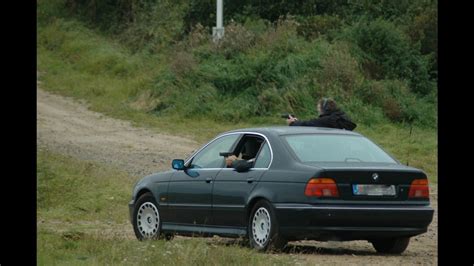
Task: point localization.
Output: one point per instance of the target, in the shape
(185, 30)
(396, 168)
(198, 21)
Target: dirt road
(68, 127)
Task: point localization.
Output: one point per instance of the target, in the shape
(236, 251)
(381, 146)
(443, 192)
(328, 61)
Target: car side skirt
(203, 230)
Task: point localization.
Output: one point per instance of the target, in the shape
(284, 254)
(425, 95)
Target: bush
(397, 102)
(338, 66)
(315, 26)
(236, 39)
(182, 64)
(392, 109)
(198, 36)
(386, 54)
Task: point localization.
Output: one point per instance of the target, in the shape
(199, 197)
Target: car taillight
(321, 187)
(419, 189)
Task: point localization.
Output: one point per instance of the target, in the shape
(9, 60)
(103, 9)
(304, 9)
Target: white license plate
(374, 190)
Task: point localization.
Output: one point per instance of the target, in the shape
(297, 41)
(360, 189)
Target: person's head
(327, 105)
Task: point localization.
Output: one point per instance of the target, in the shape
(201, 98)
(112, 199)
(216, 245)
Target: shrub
(371, 92)
(340, 67)
(315, 26)
(282, 37)
(236, 39)
(182, 63)
(392, 109)
(397, 102)
(387, 54)
(198, 36)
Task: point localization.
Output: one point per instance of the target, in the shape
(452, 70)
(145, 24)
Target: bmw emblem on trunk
(375, 176)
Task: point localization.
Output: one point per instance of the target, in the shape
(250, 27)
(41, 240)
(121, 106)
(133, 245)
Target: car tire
(167, 237)
(263, 228)
(391, 245)
(146, 218)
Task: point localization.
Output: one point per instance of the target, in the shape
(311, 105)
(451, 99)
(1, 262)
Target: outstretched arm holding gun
(290, 118)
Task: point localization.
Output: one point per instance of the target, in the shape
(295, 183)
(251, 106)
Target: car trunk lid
(369, 182)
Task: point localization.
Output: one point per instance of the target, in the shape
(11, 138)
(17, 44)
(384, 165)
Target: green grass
(62, 249)
(83, 220)
(77, 190)
(420, 149)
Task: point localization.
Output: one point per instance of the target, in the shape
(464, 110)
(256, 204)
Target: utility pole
(218, 30)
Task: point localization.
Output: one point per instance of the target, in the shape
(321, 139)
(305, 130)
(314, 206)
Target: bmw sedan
(286, 184)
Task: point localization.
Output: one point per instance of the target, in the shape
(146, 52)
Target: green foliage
(150, 28)
(198, 10)
(340, 68)
(423, 31)
(386, 53)
(141, 25)
(373, 9)
(378, 61)
(237, 39)
(397, 103)
(315, 26)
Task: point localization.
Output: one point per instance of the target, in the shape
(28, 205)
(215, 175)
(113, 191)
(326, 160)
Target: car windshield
(336, 148)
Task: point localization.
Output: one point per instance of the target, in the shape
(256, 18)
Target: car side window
(209, 156)
(263, 159)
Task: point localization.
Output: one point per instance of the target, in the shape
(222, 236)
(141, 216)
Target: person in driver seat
(246, 158)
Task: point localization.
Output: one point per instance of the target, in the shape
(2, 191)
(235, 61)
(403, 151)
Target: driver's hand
(291, 120)
(230, 159)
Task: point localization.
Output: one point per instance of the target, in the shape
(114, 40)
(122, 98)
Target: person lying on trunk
(329, 116)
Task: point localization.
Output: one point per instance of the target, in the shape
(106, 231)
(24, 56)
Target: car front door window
(209, 156)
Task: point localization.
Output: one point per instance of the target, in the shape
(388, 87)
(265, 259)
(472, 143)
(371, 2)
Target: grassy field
(83, 220)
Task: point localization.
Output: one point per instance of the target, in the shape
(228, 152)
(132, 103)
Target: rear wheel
(263, 230)
(146, 218)
(391, 245)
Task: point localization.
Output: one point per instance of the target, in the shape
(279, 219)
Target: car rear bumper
(305, 221)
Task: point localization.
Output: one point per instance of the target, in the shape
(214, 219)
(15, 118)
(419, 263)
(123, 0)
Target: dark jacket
(336, 119)
(243, 165)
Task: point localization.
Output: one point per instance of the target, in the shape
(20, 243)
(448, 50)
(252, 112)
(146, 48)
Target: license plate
(373, 190)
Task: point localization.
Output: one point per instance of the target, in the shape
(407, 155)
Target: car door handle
(250, 180)
(208, 179)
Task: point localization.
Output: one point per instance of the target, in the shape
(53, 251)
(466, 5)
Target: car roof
(282, 130)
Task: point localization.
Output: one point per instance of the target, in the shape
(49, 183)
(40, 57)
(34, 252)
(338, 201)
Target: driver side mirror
(178, 164)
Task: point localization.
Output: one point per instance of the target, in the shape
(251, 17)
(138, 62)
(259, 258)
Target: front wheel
(391, 245)
(263, 232)
(146, 218)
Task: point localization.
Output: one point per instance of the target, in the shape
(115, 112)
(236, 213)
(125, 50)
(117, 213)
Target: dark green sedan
(292, 183)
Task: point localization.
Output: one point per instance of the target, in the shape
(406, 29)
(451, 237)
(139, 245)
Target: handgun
(225, 154)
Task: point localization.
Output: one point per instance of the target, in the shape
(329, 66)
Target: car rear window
(336, 148)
